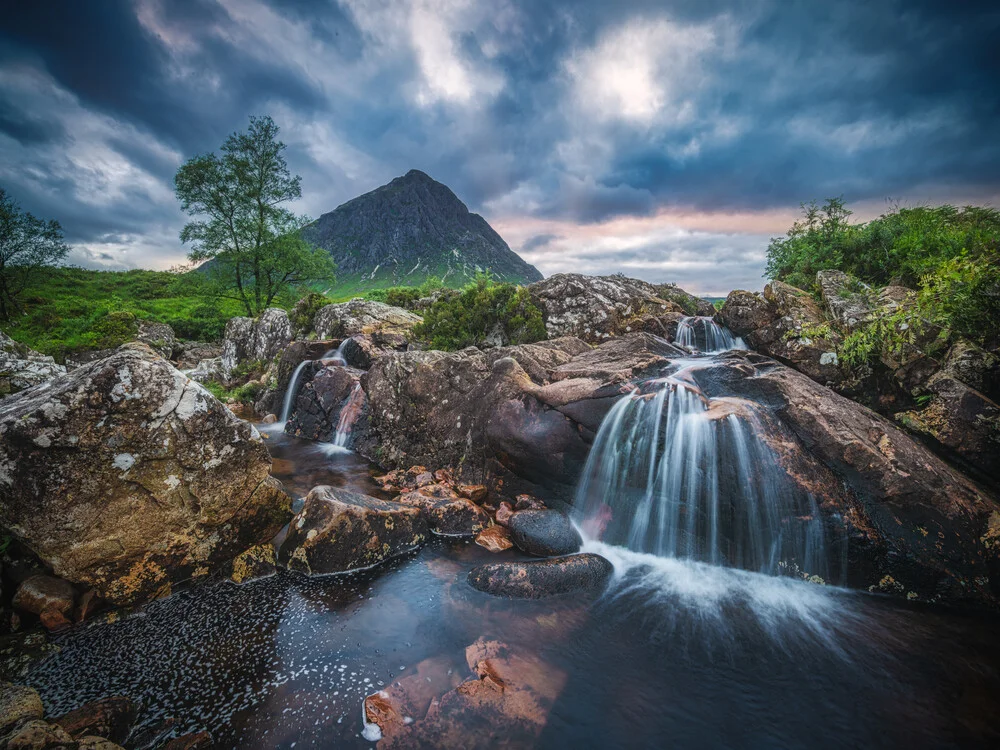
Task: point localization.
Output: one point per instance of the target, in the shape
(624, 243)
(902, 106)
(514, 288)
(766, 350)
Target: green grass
(69, 310)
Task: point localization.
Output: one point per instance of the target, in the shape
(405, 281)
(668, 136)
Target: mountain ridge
(409, 229)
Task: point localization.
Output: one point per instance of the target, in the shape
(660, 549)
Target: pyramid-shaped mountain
(408, 230)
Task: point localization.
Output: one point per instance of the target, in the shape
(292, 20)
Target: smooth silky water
(706, 637)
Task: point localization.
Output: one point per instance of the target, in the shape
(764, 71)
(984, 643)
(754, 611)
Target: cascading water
(337, 355)
(676, 474)
(292, 392)
(706, 336)
(349, 413)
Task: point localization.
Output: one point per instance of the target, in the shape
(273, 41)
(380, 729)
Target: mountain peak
(410, 229)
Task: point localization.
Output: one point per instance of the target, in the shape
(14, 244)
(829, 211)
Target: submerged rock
(544, 533)
(125, 475)
(337, 531)
(539, 579)
(507, 703)
(108, 718)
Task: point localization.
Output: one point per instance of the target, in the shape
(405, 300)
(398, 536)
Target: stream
(695, 643)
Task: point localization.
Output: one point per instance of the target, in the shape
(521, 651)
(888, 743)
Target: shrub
(114, 329)
(484, 309)
(406, 296)
(949, 255)
(304, 312)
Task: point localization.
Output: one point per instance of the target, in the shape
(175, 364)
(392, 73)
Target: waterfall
(293, 389)
(337, 355)
(349, 413)
(676, 474)
(707, 336)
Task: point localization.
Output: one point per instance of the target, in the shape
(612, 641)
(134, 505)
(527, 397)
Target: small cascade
(706, 336)
(349, 414)
(292, 392)
(676, 474)
(337, 355)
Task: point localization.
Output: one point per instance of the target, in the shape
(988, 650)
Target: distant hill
(408, 230)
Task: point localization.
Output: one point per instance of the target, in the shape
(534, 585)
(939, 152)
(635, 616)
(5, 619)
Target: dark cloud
(574, 112)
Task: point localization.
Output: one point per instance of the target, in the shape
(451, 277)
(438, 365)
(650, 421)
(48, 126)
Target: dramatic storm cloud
(665, 140)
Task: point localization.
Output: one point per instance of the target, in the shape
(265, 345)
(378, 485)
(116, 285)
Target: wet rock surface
(109, 718)
(329, 397)
(337, 531)
(520, 417)
(540, 579)
(125, 475)
(543, 533)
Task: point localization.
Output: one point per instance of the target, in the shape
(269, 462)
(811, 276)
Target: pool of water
(674, 654)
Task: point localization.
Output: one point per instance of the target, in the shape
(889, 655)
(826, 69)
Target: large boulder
(363, 316)
(520, 418)
(787, 324)
(337, 531)
(595, 308)
(909, 518)
(22, 367)
(447, 513)
(255, 340)
(544, 533)
(688, 303)
(125, 475)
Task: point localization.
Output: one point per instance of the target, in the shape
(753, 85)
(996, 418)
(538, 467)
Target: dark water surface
(676, 654)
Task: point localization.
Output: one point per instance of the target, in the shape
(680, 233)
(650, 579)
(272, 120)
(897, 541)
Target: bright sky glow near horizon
(664, 140)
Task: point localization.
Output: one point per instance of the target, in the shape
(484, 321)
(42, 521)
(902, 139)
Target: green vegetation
(68, 310)
(406, 296)
(247, 393)
(484, 310)
(27, 245)
(253, 246)
(949, 256)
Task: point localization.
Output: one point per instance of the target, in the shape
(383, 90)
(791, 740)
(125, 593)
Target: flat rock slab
(447, 513)
(544, 533)
(538, 579)
(337, 531)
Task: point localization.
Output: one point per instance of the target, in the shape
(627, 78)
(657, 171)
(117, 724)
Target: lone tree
(253, 245)
(27, 244)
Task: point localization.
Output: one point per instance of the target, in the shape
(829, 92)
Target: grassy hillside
(72, 309)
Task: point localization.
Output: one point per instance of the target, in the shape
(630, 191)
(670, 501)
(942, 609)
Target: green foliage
(66, 309)
(114, 328)
(305, 310)
(483, 309)
(248, 393)
(254, 246)
(406, 296)
(949, 255)
(819, 331)
(27, 245)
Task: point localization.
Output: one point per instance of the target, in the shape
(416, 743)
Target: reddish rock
(424, 479)
(111, 718)
(495, 539)
(510, 697)
(43, 592)
(504, 513)
(410, 696)
(444, 476)
(53, 620)
(475, 492)
(528, 502)
(447, 513)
